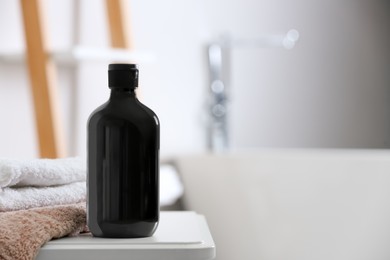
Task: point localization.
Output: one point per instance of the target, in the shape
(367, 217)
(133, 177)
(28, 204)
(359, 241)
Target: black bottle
(123, 161)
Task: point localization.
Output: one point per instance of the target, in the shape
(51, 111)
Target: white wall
(332, 90)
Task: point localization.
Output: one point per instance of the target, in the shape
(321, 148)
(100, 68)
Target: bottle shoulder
(97, 112)
(150, 112)
(130, 111)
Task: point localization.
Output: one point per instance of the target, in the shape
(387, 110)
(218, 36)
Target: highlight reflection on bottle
(123, 161)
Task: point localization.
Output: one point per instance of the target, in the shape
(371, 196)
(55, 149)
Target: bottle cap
(123, 76)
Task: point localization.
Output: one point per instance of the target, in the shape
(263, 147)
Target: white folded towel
(32, 197)
(44, 182)
(41, 172)
(171, 188)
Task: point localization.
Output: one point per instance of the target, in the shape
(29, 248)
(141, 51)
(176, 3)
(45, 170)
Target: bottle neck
(122, 93)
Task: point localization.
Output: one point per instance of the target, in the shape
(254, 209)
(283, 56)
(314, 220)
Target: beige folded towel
(31, 197)
(22, 233)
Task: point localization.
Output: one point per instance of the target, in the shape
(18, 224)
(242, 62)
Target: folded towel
(31, 197)
(41, 172)
(171, 188)
(22, 233)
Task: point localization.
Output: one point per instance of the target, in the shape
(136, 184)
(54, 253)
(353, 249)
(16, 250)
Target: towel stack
(40, 199)
(34, 183)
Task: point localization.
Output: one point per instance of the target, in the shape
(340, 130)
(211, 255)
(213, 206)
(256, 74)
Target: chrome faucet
(218, 53)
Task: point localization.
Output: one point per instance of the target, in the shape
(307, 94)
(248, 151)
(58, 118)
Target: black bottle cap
(123, 76)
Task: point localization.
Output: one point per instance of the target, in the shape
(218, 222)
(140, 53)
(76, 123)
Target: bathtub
(304, 204)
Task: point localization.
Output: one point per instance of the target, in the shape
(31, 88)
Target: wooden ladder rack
(43, 76)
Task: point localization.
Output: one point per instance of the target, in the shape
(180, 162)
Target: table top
(180, 235)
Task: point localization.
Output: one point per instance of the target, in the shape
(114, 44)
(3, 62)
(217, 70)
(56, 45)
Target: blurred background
(330, 90)
(327, 91)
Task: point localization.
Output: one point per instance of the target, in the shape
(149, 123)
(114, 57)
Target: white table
(181, 235)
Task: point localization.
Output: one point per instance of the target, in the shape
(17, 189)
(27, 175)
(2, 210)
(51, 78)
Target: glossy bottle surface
(123, 168)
